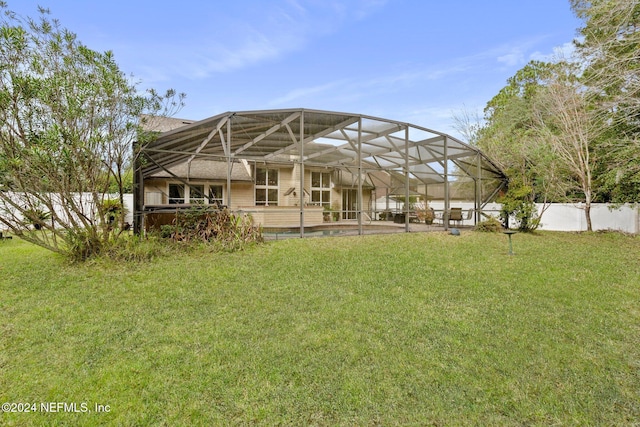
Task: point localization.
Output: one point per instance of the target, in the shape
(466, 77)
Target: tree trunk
(587, 214)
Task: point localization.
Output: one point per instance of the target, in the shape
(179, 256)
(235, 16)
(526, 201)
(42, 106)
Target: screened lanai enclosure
(303, 171)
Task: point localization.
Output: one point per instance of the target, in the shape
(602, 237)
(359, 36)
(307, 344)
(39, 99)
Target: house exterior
(301, 168)
(269, 192)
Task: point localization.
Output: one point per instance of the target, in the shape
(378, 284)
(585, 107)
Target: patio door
(349, 204)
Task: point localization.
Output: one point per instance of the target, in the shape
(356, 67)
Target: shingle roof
(204, 169)
(162, 124)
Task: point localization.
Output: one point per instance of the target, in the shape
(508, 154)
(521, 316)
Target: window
(321, 188)
(176, 194)
(266, 187)
(196, 194)
(215, 195)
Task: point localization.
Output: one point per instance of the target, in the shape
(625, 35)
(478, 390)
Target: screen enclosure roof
(325, 139)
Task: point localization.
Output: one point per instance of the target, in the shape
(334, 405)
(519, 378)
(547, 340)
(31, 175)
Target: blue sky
(418, 61)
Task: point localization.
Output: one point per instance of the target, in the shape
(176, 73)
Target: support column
(229, 164)
(447, 203)
(406, 180)
(138, 194)
(360, 176)
(426, 197)
(301, 138)
(478, 188)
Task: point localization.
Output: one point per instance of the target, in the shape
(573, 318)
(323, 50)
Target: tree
(566, 123)
(610, 45)
(571, 130)
(611, 40)
(508, 138)
(544, 129)
(68, 118)
(468, 124)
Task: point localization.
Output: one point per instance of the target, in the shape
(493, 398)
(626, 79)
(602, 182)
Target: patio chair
(456, 215)
(469, 215)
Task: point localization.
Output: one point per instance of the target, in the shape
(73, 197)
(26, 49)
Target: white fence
(557, 217)
(82, 200)
(569, 217)
(561, 216)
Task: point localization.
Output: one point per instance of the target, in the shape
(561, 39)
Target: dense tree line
(569, 129)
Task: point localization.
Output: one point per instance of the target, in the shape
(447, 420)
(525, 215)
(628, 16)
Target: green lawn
(409, 329)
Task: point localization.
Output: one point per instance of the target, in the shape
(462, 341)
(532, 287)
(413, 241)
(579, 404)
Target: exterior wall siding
(287, 213)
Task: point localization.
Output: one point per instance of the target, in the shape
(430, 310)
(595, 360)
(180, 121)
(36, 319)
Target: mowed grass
(410, 329)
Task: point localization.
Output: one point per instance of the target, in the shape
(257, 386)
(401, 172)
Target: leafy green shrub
(490, 225)
(517, 203)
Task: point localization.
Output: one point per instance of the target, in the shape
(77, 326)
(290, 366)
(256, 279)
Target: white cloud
(412, 78)
(566, 51)
(297, 6)
(270, 31)
(517, 55)
(351, 89)
(512, 59)
(305, 92)
(282, 29)
(255, 48)
(368, 7)
(511, 54)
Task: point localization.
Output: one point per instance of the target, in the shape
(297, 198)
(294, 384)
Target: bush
(82, 244)
(223, 229)
(220, 230)
(491, 225)
(518, 204)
